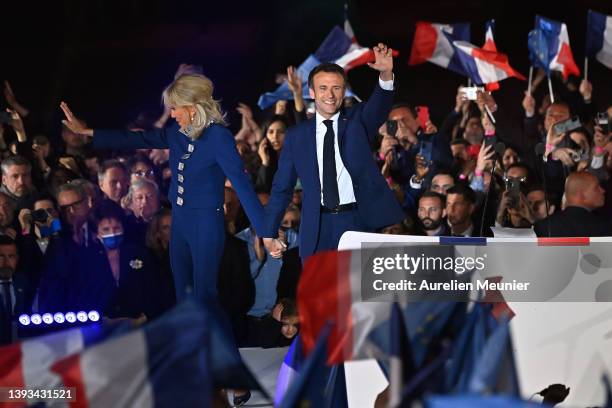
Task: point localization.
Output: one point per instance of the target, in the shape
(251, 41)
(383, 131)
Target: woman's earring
(192, 117)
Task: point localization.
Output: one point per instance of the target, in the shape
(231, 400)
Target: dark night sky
(111, 59)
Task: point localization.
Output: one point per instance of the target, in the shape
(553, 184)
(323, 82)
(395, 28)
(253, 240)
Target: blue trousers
(196, 247)
(332, 226)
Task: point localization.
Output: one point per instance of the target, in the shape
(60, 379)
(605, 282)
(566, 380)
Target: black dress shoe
(240, 400)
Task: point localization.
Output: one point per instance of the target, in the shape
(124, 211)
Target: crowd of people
(89, 229)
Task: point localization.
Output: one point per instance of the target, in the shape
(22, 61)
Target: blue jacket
(199, 167)
(357, 129)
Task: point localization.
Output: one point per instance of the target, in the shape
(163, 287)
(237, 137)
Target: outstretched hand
(75, 125)
(383, 62)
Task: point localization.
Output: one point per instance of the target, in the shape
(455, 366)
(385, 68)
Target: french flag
(433, 43)
(28, 364)
(484, 66)
(599, 37)
(549, 47)
(356, 54)
(490, 45)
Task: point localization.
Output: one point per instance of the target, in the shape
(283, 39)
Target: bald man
(583, 196)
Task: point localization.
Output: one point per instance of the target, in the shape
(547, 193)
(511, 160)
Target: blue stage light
(36, 319)
(70, 317)
(24, 319)
(58, 317)
(81, 316)
(93, 316)
(47, 318)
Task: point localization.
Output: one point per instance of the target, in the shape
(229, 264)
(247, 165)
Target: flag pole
(550, 90)
(530, 79)
(586, 68)
(469, 84)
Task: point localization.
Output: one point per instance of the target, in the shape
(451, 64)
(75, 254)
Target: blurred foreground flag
(549, 47)
(433, 43)
(148, 367)
(599, 37)
(27, 364)
(330, 291)
(484, 66)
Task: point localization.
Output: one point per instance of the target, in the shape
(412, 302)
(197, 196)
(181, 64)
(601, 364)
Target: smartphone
(603, 121)
(490, 141)
(567, 125)
(426, 150)
(422, 116)
(392, 127)
(470, 93)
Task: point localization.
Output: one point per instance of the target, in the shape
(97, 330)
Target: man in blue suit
(330, 153)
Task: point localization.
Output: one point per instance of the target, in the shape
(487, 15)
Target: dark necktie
(331, 198)
(6, 298)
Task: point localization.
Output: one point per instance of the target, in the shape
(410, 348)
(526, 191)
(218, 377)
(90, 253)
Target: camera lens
(40, 215)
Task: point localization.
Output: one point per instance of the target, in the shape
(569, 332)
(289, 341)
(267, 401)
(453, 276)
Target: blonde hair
(195, 90)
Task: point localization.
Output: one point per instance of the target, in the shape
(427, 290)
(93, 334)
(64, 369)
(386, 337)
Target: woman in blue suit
(202, 154)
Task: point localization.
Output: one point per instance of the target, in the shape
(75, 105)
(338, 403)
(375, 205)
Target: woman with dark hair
(113, 274)
(269, 151)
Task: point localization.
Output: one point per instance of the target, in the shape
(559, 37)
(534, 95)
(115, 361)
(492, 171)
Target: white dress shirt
(345, 184)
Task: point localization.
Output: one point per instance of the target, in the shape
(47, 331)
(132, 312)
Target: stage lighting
(58, 317)
(81, 316)
(24, 319)
(36, 319)
(93, 316)
(70, 317)
(47, 318)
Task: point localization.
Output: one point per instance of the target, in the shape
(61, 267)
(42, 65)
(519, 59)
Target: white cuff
(386, 85)
(414, 184)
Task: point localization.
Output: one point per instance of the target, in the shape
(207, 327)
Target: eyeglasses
(144, 173)
(71, 206)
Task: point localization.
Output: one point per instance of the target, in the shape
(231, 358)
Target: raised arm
(377, 107)
(113, 139)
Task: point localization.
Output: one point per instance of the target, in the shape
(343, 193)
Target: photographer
(40, 228)
(514, 210)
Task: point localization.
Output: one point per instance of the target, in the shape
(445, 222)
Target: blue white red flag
(433, 43)
(599, 37)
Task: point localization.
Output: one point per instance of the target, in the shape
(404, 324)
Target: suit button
(181, 166)
(180, 189)
(179, 200)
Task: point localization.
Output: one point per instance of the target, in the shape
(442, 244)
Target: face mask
(112, 241)
(56, 226)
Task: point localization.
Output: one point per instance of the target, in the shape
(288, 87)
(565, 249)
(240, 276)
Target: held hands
(275, 247)
(383, 62)
(75, 125)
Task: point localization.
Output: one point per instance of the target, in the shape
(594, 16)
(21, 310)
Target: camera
(392, 127)
(471, 92)
(603, 121)
(40, 216)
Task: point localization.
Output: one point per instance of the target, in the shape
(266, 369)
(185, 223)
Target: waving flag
(599, 37)
(147, 367)
(27, 364)
(339, 47)
(362, 328)
(489, 45)
(549, 48)
(433, 43)
(484, 66)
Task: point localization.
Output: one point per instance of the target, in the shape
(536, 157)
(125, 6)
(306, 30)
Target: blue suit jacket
(212, 158)
(357, 128)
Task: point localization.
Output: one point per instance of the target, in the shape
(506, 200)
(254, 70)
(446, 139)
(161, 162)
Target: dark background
(110, 60)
